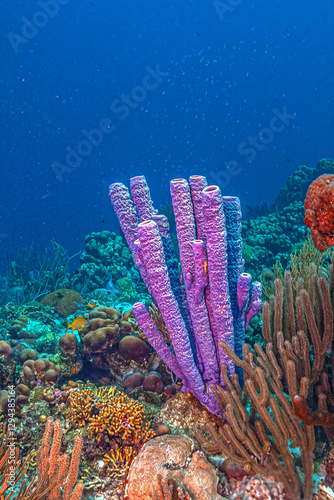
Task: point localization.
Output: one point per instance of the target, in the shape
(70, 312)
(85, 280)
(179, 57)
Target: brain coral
(64, 301)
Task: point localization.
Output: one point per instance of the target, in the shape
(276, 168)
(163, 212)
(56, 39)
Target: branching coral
(301, 332)
(301, 265)
(37, 272)
(80, 406)
(122, 418)
(119, 460)
(260, 438)
(56, 474)
(113, 419)
(284, 384)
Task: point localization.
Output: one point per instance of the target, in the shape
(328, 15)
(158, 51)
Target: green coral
(106, 257)
(128, 292)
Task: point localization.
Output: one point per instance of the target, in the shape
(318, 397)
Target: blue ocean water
(240, 91)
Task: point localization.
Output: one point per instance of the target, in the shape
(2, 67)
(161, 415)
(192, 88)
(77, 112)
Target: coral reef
(106, 258)
(259, 440)
(298, 183)
(271, 237)
(283, 384)
(118, 426)
(136, 417)
(108, 344)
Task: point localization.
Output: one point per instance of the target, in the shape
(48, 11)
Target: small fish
(90, 306)
(77, 324)
(111, 288)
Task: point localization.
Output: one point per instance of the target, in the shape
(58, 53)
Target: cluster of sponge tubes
(212, 300)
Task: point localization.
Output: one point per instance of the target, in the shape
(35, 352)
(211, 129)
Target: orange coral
(114, 419)
(119, 460)
(122, 417)
(80, 406)
(319, 211)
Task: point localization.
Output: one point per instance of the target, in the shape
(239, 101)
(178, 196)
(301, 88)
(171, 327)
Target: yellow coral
(121, 417)
(80, 406)
(119, 460)
(111, 418)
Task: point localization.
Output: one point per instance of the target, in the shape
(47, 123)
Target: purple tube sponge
(213, 299)
(156, 340)
(255, 303)
(142, 197)
(126, 213)
(197, 184)
(186, 234)
(218, 269)
(201, 269)
(244, 284)
(154, 261)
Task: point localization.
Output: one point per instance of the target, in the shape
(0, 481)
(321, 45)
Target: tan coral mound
(64, 301)
(171, 459)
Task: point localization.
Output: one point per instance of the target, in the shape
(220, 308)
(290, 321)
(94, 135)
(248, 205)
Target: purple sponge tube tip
(255, 303)
(243, 287)
(142, 197)
(197, 184)
(125, 211)
(218, 269)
